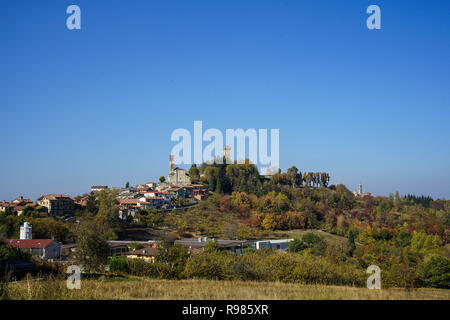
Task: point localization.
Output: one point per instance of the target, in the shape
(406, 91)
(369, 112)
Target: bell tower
(171, 164)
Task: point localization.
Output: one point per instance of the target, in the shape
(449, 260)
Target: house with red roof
(41, 248)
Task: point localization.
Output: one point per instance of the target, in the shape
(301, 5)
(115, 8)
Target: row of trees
(226, 178)
(295, 178)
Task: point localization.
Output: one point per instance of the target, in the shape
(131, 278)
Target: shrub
(213, 266)
(296, 245)
(119, 264)
(436, 272)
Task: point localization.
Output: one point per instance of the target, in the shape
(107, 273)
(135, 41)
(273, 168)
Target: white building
(99, 188)
(26, 231)
(278, 245)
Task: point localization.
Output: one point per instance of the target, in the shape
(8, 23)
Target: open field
(142, 288)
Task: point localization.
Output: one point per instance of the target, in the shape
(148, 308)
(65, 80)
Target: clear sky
(98, 105)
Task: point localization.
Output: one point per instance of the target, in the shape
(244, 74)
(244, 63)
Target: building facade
(57, 204)
(178, 177)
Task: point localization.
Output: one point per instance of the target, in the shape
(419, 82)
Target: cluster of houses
(150, 195)
(15, 206)
(54, 204)
(156, 196)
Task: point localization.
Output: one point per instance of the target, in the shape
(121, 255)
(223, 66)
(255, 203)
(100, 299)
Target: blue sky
(98, 105)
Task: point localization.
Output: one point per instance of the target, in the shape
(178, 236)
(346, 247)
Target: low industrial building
(278, 245)
(236, 246)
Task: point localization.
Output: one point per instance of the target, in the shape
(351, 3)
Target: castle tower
(227, 154)
(171, 164)
(26, 231)
(360, 189)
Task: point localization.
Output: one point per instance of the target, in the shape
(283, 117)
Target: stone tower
(171, 164)
(227, 154)
(360, 188)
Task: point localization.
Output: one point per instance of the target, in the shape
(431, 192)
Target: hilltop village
(227, 221)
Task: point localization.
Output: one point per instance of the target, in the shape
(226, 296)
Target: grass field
(142, 288)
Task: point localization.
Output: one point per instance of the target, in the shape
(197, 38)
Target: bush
(119, 264)
(315, 242)
(296, 245)
(211, 266)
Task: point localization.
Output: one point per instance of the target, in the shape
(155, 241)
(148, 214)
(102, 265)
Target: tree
(296, 245)
(194, 173)
(174, 257)
(127, 185)
(351, 242)
(269, 222)
(28, 210)
(162, 179)
(212, 246)
(119, 264)
(91, 237)
(293, 176)
(324, 179)
(107, 208)
(436, 272)
(91, 204)
(315, 242)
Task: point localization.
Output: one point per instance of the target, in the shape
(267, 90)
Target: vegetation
(144, 288)
(92, 249)
(407, 237)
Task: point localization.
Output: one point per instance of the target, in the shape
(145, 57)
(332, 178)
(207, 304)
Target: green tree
(174, 257)
(296, 245)
(212, 246)
(436, 272)
(351, 242)
(119, 264)
(194, 173)
(127, 184)
(91, 204)
(107, 206)
(162, 179)
(315, 242)
(93, 249)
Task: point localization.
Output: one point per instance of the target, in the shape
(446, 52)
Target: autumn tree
(91, 237)
(294, 176)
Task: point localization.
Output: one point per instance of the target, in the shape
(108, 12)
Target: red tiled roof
(30, 243)
(154, 198)
(129, 201)
(55, 197)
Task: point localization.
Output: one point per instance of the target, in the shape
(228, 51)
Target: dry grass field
(140, 288)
